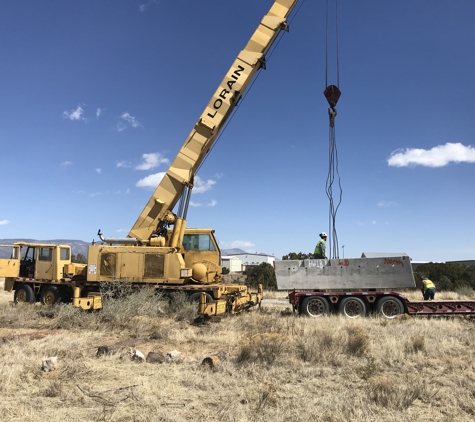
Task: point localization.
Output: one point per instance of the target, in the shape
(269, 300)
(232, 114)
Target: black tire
(24, 294)
(315, 306)
(195, 297)
(50, 295)
(352, 307)
(390, 307)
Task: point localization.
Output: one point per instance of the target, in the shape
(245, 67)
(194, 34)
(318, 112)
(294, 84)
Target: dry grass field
(274, 365)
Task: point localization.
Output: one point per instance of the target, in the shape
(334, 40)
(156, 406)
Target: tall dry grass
(279, 366)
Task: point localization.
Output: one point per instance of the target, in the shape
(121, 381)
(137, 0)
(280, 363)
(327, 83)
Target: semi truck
(159, 251)
(357, 287)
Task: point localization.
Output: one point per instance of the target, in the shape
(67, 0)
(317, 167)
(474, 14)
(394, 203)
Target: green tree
(262, 274)
(300, 255)
(79, 259)
(447, 276)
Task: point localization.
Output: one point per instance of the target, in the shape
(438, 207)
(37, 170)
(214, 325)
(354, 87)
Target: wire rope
(332, 93)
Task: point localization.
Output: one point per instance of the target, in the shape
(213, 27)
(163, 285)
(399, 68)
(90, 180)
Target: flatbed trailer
(388, 304)
(356, 287)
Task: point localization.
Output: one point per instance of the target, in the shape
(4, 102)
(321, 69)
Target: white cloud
(121, 127)
(438, 156)
(151, 181)
(65, 164)
(241, 244)
(126, 192)
(124, 164)
(92, 195)
(99, 112)
(4, 222)
(128, 120)
(387, 204)
(75, 114)
(201, 186)
(98, 170)
(152, 160)
(212, 203)
(144, 6)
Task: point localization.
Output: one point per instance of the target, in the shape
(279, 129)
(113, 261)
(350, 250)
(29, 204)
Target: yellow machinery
(159, 249)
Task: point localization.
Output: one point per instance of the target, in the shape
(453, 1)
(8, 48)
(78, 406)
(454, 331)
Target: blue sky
(97, 97)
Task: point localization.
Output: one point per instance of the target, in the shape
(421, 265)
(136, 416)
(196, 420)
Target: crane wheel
(195, 297)
(50, 295)
(24, 294)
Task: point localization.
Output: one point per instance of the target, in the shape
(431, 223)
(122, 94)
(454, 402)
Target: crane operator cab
(201, 252)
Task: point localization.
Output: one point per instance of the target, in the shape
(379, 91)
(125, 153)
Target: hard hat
(323, 234)
(423, 277)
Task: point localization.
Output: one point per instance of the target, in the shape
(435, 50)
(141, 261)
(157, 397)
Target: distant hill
(80, 247)
(77, 246)
(234, 251)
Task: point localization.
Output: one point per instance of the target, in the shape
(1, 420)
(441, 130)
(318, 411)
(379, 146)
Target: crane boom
(178, 180)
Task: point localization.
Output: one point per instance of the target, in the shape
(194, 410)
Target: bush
(262, 274)
(358, 340)
(391, 392)
(319, 345)
(416, 344)
(265, 347)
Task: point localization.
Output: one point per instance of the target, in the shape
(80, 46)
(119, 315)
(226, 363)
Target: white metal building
(255, 258)
(233, 263)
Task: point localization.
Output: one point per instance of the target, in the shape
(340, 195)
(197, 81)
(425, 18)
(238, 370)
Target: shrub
(392, 392)
(370, 369)
(320, 345)
(416, 344)
(262, 274)
(265, 347)
(358, 342)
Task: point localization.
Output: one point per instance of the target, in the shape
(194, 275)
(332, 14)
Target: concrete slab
(349, 274)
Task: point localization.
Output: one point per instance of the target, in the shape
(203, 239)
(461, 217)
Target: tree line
(450, 276)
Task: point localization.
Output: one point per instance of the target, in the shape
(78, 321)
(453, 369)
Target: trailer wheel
(352, 307)
(24, 294)
(50, 295)
(315, 306)
(390, 307)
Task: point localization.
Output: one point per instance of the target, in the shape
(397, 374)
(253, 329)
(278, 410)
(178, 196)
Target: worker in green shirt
(319, 252)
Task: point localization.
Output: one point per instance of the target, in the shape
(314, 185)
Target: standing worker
(319, 252)
(428, 288)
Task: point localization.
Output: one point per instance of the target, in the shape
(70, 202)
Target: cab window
(64, 254)
(46, 254)
(9, 252)
(198, 242)
(28, 254)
